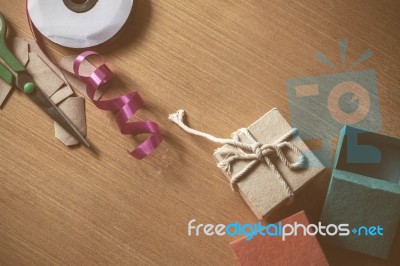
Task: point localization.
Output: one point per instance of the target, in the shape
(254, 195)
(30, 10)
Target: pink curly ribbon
(125, 107)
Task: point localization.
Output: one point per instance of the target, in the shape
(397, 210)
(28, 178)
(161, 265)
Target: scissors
(25, 83)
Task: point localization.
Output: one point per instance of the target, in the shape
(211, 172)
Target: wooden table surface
(226, 63)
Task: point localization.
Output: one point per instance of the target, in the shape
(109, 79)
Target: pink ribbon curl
(124, 106)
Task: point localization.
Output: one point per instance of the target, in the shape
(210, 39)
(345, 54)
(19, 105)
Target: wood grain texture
(225, 63)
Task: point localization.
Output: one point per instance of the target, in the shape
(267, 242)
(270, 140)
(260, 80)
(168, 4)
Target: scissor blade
(41, 100)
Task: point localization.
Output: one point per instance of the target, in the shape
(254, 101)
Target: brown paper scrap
(34, 47)
(43, 76)
(86, 69)
(21, 50)
(73, 108)
(61, 94)
(4, 91)
(51, 80)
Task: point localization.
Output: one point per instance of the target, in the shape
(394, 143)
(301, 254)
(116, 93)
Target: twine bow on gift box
(253, 152)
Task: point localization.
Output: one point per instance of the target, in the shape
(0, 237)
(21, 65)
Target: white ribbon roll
(67, 28)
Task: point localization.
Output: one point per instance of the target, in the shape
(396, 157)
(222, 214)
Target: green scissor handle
(7, 56)
(6, 75)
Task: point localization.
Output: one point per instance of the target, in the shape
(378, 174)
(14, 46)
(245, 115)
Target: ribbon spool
(79, 23)
(79, 6)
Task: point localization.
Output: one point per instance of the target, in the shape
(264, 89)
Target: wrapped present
(271, 250)
(364, 191)
(266, 162)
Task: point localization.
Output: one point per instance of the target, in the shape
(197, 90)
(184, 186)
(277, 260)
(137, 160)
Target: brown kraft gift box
(260, 187)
